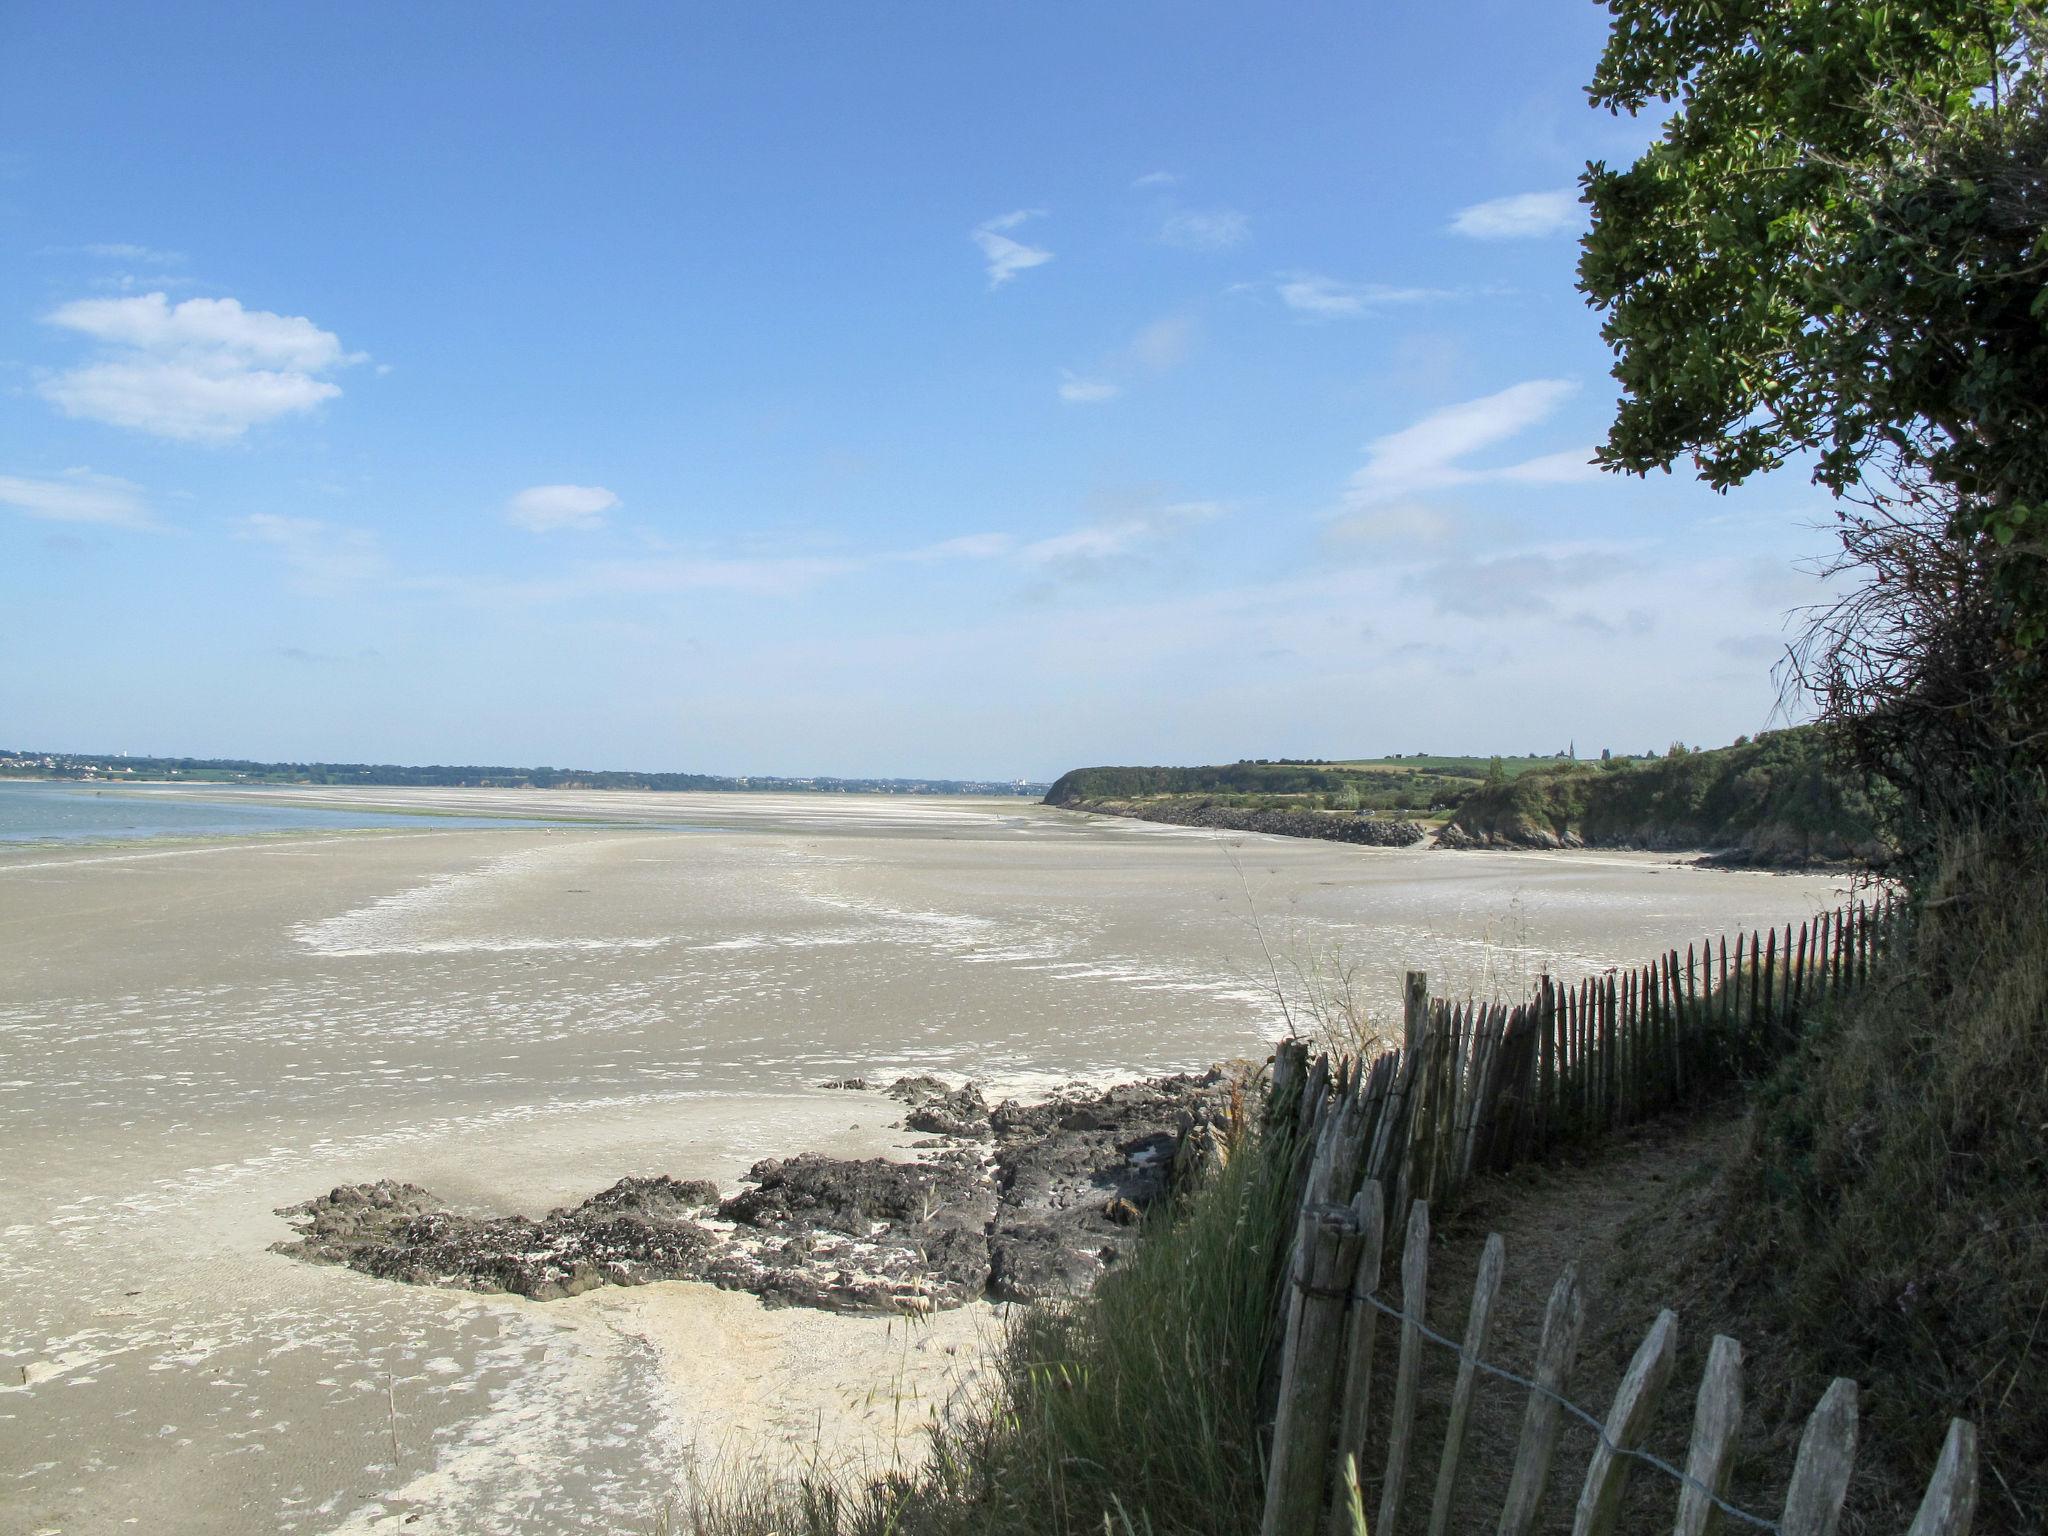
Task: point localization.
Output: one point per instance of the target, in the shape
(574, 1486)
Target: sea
(43, 811)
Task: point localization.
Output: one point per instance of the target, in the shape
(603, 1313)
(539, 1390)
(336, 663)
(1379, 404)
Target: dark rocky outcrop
(1016, 1202)
(1331, 826)
(939, 1110)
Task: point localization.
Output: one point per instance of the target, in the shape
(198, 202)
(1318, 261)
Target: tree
(1837, 250)
(1721, 255)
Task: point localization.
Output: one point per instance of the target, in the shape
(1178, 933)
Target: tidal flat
(196, 1032)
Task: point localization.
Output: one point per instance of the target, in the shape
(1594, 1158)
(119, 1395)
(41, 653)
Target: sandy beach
(193, 1033)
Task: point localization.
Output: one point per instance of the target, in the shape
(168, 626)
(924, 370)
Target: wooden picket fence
(1326, 1396)
(1480, 1087)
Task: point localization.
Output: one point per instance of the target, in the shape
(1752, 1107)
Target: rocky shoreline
(1015, 1202)
(1761, 848)
(1372, 831)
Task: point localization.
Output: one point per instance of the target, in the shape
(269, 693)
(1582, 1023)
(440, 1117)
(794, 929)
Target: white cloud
(79, 497)
(1572, 466)
(1004, 256)
(1076, 390)
(203, 370)
(1521, 217)
(1156, 179)
(1326, 298)
(323, 556)
(552, 508)
(122, 251)
(1425, 457)
(205, 330)
(1212, 229)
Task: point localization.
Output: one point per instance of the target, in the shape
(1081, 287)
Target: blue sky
(952, 389)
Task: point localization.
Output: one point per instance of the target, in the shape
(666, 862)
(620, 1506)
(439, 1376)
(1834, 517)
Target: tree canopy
(1837, 249)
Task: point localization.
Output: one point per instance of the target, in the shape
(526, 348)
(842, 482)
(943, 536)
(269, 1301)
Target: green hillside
(1417, 786)
(1774, 800)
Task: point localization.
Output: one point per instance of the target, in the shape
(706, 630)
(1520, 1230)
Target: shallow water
(33, 811)
(194, 1033)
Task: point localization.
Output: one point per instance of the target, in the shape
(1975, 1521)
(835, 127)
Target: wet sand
(192, 1034)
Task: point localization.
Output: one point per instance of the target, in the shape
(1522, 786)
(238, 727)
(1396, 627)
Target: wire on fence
(1598, 1427)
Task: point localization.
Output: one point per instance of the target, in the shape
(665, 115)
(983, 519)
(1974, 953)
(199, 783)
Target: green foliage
(1837, 249)
(1731, 257)
(1242, 778)
(1777, 796)
(1401, 786)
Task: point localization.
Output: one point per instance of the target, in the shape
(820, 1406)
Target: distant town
(122, 768)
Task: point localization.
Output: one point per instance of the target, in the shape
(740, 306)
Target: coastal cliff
(1774, 802)
(1336, 827)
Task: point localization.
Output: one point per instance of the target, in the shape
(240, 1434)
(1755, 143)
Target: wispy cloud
(79, 496)
(204, 370)
(1152, 179)
(1004, 256)
(1428, 456)
(1405, 524)
(1076, 390)
(145, 255)
(1523, 216)
(1205, 229)
(969, 546)
(1088, 551)
(322, 556)
(1523, 581)
(1326, 298)
(555, 508)
(1163, 345)
(1157, 348)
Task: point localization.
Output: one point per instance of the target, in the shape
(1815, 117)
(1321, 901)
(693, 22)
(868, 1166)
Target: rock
(915, 1090)
(962, 1113)
(1340, 827)
(857, 1083)
(655, 1198)
(1063, 1195)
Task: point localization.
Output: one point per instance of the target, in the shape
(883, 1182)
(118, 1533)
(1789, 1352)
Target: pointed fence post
(1365, 1319)
(1634, 1403)
(1401, 1427)
(1827, 1454)
(1478, 1324)
(1799, 970)
(1951, 1502)
(1716, 1419)
(1770, 990)
(1414, 1009)
(1325, 1260)
(1563, 1320)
